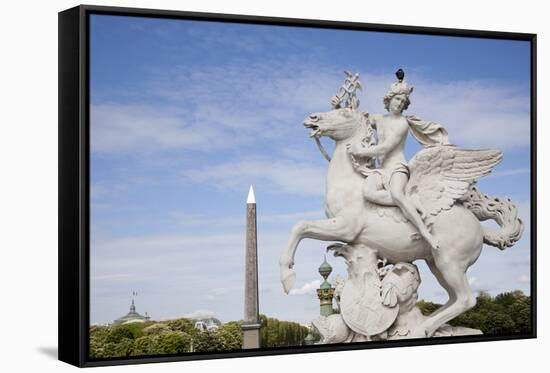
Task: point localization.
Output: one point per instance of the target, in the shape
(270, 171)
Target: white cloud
(229, 111)
(511, 172)
(190, 219)
(292, 217)
(199, 314)
(473, 282)
(207, 268)
(286, 176)
(476, 113)
(524, 279)
(101, 189)
(144, 129)
(520, 262)
(162, 267)
(220, 108)
(165, 242)
(110, 277)
(524, 213)
(309, 288)
(218, 293)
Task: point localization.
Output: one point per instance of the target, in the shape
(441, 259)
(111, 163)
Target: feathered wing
(441, 175)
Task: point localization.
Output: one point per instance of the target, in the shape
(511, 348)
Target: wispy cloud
(476, 113)
(159, 247)
(194, 219)
(520, 262)
(524, 279)
(473, 282)
(478, 285)
(292, 217)
(217, 293)
(208, 268)
(199, 314)
(110, 277)
(309, 288)
(286, 176)
(101, 189)
(190, 219)
(233, 110)
(511, 172)
(524, 211)
(145, 128)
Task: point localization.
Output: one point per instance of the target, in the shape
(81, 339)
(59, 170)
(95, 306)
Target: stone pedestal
(377, 301)
(251, 336)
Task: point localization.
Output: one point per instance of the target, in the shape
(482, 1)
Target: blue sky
(186, 115)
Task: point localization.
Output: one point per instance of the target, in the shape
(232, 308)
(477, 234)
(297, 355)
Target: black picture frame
(74, 180)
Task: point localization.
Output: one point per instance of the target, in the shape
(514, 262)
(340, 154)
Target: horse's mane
(369, 139)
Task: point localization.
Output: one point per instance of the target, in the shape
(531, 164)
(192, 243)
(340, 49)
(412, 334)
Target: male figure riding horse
(386, 184)
(440, 186)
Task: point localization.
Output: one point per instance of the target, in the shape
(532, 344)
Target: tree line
(180, 336)
(161, 338)
(277, 333)
(506, 313)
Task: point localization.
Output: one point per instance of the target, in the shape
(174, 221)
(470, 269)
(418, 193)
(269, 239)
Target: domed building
(325, 293)
(207, 324)
(132, 316)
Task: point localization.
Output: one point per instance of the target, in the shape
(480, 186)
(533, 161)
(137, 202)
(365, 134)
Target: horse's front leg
(335, 229)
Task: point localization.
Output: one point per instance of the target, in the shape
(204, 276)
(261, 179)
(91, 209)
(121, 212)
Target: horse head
(338, 124)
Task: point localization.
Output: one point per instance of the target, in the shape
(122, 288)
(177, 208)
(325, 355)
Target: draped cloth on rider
(427, 133)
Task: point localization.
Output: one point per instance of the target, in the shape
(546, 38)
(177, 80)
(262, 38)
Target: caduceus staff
(347, 92)
(346, 97)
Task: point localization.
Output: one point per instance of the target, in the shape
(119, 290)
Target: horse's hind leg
(336, 229)
(454, 275)
(441, 279)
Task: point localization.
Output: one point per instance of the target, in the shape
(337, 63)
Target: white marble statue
(383, 208)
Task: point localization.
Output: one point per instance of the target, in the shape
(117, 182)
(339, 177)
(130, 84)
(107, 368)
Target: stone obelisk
(251, 324)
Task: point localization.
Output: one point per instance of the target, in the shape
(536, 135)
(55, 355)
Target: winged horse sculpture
(442, 186)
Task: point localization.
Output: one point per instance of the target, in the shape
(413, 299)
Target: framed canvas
(234, 186)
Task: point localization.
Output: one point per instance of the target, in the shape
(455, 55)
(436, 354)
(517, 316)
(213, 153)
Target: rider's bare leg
(398, 182)
(373, 191)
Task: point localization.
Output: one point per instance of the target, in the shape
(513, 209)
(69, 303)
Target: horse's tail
(501, 210)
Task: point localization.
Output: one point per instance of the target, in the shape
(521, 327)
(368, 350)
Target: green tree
(521, 313)
(183, 325)
(157, 328)
(118, 333)
(427, 308)
(173, 343)
(98, 340)
(123, 347)
(276, 333)
(510, 298)
(207, 341)
(137, 328)
(506, 313)
(231, 335)
(146, 345)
